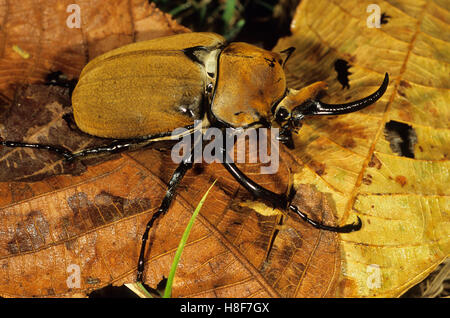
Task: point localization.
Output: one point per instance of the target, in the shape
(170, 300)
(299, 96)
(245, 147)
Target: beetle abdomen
(143, 88)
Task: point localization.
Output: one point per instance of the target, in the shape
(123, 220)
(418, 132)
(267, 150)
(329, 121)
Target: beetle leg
(116, 146)
(112, 148)
(286, 137)
(175, 180)
(66, 153)
(281, 201)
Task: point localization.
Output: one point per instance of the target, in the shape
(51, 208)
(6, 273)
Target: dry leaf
(92, 222)
(89, 223)
(41, 114)
(40, 29)
(400, 191)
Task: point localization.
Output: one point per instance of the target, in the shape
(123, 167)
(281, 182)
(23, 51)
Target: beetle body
(153, 87)
(156, 86)
(141, 92)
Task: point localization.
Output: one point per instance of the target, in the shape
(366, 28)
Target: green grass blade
(264, 4)
(168, 290)
(139, 290)
(232, 32)
(180, 9)
(228, 13)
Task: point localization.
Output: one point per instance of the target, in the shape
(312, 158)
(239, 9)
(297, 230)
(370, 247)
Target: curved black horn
(288, 53)
(320, 108)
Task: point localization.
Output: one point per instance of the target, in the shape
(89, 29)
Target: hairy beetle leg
(68, 155)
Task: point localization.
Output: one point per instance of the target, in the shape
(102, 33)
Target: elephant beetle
(139, 93)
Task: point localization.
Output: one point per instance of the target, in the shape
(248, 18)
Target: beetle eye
(282, 114)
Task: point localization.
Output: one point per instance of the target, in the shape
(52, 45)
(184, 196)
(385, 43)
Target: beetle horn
(287, 52)
(313, 107)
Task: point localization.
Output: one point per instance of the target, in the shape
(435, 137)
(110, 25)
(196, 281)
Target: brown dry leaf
(67, 235)
(41, 114)
(401, 195)
(228, 256)
(92, 222)
(39, 28)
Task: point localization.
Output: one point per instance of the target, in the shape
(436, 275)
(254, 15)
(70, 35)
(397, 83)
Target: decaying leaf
(66, 235)
(41, 29)
(90, 222)
(401, 197)
(41, 114)
(302, 262)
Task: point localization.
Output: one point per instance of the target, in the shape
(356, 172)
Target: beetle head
(297, 104)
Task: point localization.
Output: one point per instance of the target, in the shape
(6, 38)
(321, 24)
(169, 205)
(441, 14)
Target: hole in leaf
(402, 138)
(384, 18)
(341, 67)
(58, 78)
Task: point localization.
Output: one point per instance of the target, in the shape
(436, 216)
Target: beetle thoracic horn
(320, 108)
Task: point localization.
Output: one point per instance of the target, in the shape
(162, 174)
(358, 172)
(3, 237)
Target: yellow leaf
(402, 199)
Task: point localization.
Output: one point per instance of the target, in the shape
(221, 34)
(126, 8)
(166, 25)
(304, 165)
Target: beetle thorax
(250, 81)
